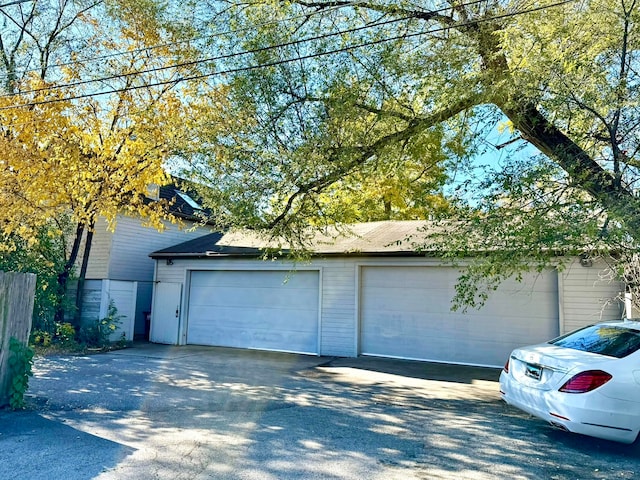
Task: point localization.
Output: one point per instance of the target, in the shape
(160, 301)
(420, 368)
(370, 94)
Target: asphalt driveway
(160, 412)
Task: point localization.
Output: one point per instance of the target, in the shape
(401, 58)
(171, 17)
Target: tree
(324, 92)
(385, 192)
(45, 257)
(83, 137)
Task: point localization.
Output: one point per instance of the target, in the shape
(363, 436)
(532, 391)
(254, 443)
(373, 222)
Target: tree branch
(369, 108)
(386, 9)
(363, 154)
(550, 140)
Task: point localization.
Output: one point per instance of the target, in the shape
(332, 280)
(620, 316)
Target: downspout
(628, 305)
(153, 298)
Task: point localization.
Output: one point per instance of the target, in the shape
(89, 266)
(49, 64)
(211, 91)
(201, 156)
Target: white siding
(588, 296)
(98, 266)
(124, 255)
(581, 293)
(132, 243)
(95, 302)
(91, 301)
(337, 317)
(123, 296)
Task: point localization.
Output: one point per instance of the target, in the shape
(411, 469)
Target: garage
(405, 312)
(258, 309)
(366, 293)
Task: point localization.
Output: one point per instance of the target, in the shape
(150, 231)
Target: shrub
(40, 338)
(46, 256)
(63, 338)
(65, 334)
(98, 334)
(20, 363)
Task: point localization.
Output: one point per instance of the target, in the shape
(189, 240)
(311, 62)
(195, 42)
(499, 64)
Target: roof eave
(213, 254)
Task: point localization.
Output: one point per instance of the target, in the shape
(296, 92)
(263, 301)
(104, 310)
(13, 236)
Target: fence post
(17, 291)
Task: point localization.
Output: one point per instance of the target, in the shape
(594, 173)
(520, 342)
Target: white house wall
(97, 296)
(337, 306)
(101, 244)
(588, 295)
(122, 295)
(132, 242)
(580, 295)
(91, 301)
(124, 253)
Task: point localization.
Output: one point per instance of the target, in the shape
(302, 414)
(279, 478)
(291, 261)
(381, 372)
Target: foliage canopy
(84, 132)
(352, 96)
(311, 112)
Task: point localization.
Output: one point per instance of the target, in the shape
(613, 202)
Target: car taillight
(506, 366)
(586, 381)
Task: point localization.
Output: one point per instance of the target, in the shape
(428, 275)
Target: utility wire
(264, 65)
(204, 60)
(225, 56)
(151, 48)
(14, 3)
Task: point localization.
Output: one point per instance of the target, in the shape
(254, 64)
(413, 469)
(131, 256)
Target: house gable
(119, 260)
(132, 241)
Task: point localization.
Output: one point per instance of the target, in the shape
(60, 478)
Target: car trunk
(547, 367)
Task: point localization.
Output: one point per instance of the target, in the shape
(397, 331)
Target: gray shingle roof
(374, 238)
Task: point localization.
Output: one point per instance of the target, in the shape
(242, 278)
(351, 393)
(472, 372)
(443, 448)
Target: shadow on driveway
(35, 447)
(423, 370)
(201, 412)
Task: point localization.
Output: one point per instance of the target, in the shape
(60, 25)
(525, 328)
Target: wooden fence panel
(17, 292)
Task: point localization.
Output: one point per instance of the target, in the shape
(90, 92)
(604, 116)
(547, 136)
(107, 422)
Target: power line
(151, 48)
(212, 35)
(14, 3)
(268, 64)
(226, 56)
(204, 60)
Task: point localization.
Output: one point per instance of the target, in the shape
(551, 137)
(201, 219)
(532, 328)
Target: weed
(20, 363)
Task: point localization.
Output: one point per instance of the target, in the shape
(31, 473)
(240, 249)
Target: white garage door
(406, 313)
(265, 310)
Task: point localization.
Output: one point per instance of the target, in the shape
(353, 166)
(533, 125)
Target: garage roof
(382, 238)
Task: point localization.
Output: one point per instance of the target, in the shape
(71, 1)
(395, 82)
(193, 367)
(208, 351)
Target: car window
(612, 341)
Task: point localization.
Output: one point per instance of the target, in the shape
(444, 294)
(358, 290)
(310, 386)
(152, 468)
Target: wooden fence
(17, 292)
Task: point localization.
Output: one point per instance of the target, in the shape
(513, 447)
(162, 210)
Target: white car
(587, 381)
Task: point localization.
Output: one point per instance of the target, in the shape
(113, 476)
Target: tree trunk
(586, 173)
(543, 134)
(387, 209)
(83, 274)
(63, 277)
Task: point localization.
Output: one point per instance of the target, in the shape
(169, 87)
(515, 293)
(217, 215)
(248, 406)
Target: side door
(165, 313)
